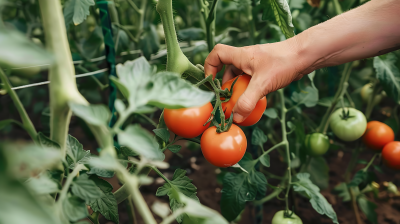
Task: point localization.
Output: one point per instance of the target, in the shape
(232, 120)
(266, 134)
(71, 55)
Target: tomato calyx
(346, 115)
(288, 214)
(226, 94)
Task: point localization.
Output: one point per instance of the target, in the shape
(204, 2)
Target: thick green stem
(94, 217)
(343, 91)
(210, 25)
(68, 183)
(252, 27)
(61, 74)
(371, 103)
(141, 12)
(354, 206)
(331, 108)
(131, 211)
(284, 139)
(26, 121)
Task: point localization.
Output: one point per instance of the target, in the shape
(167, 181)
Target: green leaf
(198, 213)
(92, 114)
(85, 188)
(296, 4)
(76, 11)
(258, 137)
(192, 33)
(319, 172)
(127, 151)
(317, 200)
(76, 153)
(291, 126)
(362, 178)
(343, 192)
(107, 204)
(236, 192)
(42, 184)
(163, 133)
(101, 172)
(308, 97)
(175, 148)
(17, 51)
(368, 208)
(47, 142)
(271, 113)
(140, 141)
(388, 75)
(18, 205)
(179, 183)
(265, 160)
(281, 11)
(149, 41)
(74, 208)
(164, 89)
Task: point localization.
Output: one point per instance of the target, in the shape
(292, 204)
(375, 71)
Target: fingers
(227, 55)
(247, 101)
(230, 73)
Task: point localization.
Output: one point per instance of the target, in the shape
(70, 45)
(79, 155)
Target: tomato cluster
(220, 149)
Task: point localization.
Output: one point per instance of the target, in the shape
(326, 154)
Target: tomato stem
(26, 121)
(370, 162)
(210, 25)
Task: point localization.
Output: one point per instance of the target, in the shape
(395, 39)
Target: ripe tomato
(188, 122)
(279, 218)
(348, 128)
(366, 92)
(240, 86)
(317, 144)
(223, 149)
(391, 155)
(377, 135)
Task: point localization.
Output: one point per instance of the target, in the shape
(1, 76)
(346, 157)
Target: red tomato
(377, 135)
(188, 122)
(240, 86)
(223, 149)
(391, 155)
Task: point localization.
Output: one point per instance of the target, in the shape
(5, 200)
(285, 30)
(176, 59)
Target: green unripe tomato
(200, 57)
(366, 93)
(317, 144)
(279, 218)
(348, 124)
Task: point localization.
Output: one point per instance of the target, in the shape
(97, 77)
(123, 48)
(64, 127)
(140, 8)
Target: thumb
(247, 102)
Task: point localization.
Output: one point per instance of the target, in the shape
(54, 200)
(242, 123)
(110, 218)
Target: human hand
(272, 67)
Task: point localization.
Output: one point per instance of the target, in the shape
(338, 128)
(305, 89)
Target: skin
(367, 31)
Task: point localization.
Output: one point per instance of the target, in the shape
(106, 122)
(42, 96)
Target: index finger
(221, 55)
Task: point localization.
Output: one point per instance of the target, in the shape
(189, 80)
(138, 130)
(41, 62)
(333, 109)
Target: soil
(204, 176)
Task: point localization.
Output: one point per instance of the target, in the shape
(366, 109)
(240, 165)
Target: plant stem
(210, 25)
(338, 8)
(331, 108)
(94, 217)
(269, 197)
(61, 74)
(173, 216)
(272, 148)
(371, 103)
(370, 162)
(354, 206)
(343, 91)
(284, 139)
(141, 20)
(26, 121)
(148, 119)
(131, 211)
(68, 183)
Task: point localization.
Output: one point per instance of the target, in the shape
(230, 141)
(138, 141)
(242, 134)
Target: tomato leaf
(85, 188)
(92, 114)
(141, 142)
(368, 208)
(75, 152)
(317, 200)
(271, 113)
(149, 41)
(308, 97)
(343, 192)
(42, 184)
(319, 172)
(164, 89)
(175, 148)
(76, 11)
(180, 183)
(17, 51)
(362, 179)
(15, 197)
(74, 208)
(238, 188)
(107, 204)
(5, 123)
(265, 160)
(101, 172)
(281, 11)
(388, 75)
(258, 137)
(163, 133)
(47, 142)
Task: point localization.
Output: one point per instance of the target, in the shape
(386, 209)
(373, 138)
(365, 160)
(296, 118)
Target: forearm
(370, 30)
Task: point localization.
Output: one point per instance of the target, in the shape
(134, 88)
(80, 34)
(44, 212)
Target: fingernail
(237, 118)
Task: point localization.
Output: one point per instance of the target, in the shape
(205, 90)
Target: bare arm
(369, 30)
